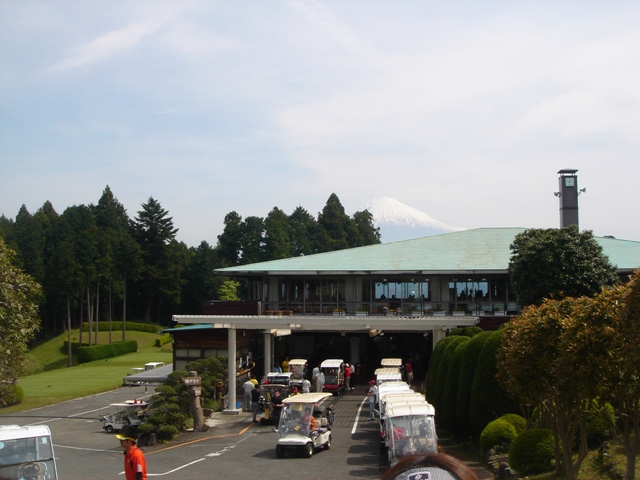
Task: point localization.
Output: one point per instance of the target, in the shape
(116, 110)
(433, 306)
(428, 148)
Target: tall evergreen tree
(229, 241)
(277, 238)
(304, 229)
(334, 226)
(160, 279)
(252, 244)
(365, 233)
(200, 284)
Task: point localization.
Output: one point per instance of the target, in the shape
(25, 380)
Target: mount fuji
(398, 221)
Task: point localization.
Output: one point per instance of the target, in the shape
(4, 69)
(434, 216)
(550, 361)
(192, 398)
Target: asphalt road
(233, 447)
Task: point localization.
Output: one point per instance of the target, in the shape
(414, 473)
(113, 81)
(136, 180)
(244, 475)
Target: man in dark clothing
(255, 403)
(276, 409)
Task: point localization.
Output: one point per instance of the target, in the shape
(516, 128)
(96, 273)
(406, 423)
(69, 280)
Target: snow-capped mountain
(398, 221)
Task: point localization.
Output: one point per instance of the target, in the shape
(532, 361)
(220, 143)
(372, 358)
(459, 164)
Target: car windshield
(411, 434)
(25, 457)
(296, 418)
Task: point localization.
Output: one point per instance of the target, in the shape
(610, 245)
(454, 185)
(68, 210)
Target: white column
(438, 334)
(267, 353)
(232, 370)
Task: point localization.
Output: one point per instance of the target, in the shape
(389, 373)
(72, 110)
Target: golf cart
(299, 414)
(410, 428)
(131, 413)
(266, 394)
(298, 370)
(333, 370)
(26, 453)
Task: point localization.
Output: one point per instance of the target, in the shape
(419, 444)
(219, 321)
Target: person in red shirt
(135, 465)
(408, 368)
(347, 377)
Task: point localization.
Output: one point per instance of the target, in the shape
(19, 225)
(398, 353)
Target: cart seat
(322, 424)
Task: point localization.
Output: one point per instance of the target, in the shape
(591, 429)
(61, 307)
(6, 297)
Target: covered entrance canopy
(278, 325)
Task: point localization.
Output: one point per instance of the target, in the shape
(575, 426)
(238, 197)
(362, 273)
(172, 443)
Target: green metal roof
(468, 251)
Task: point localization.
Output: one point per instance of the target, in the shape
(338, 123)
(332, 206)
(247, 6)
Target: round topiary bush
(10, 395)
(532, 451)
(516, 420)
(167, 432)
(498, 433)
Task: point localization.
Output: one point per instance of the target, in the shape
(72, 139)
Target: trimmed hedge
(448, 415)
(109, 350)
(11, 394)
(166, 338)
(434, 363)
(498, 433)
(518, 421)
(74, 346)
(465, 379)
(489, 401)
(466, 331)
(532, 451)
(103, 326)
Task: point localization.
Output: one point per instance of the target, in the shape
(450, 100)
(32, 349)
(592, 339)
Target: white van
(27, 452)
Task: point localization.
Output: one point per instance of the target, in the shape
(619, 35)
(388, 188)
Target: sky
(464, 110)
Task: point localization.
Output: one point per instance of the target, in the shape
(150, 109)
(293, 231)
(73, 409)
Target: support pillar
(268, 356)
(438, 335)
(232, 372)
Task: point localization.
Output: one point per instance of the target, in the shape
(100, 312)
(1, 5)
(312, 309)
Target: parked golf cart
(26, 453)
(295, 428)
(333, 370)
(131, 413)
(298, 370)
(410, 428)
(266, 394)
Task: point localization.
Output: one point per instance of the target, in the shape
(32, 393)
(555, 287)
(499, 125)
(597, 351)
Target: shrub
(465, 379)
(11, 394)
(131, 327)
(167, 432)
(466, 331)
(532, 451)
(108, 350)
(166, 338)
(489, 401)
(434, 362)
(599, 425)
(448, 414)
(498, 433)
(519, 423)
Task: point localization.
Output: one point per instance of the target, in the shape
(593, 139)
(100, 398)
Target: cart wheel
(327, 445)
(279, 451)
(308, 450)
(109, 429)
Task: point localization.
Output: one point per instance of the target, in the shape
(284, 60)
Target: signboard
(192, 380)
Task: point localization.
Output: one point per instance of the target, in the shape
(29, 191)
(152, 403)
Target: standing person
(135, 465)
(277, 368)
(408, 368)
(353, 371)
(314, 377)
(285, 365)
(276, 409)
(248, 387)
(255, 404)
(373, 392)
(347, 377)
(306, 385)
(320, 381)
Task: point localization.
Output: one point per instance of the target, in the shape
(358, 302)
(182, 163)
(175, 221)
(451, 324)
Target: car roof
(315, 397)
(331, 363)
(402, 394)
(387, 370)
(278, 374)
(391, 362)
(402, 409)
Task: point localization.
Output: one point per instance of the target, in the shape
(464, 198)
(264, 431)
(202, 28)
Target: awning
(157, 375)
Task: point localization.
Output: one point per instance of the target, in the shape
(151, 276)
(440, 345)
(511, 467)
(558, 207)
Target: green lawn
(62, 384)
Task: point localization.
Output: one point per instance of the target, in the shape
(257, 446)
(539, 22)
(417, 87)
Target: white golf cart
(26, 453)
(131, 413)
(298, 369)
(410, 428)
(295, 429)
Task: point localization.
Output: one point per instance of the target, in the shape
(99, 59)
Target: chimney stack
(568, 196)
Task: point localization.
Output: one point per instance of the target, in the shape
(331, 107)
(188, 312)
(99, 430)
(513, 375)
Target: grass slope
(53, 386)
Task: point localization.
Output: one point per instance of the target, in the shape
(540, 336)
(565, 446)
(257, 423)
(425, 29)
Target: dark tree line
(96, 264)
